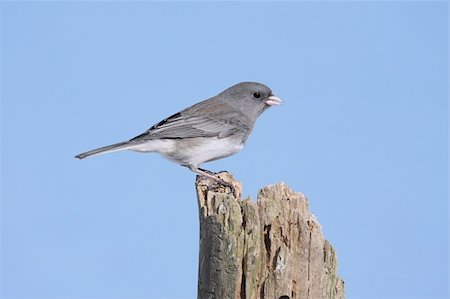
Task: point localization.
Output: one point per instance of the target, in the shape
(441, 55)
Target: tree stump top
(271, 248)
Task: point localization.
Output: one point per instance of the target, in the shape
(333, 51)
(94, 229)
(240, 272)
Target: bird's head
(250, 98)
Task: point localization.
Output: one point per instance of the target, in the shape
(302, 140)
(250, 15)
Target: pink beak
(273, 100)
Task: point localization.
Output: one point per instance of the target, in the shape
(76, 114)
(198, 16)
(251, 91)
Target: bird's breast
(195, 151)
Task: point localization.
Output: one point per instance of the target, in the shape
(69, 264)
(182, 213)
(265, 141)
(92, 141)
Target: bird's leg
(205, 173)
(210, 175)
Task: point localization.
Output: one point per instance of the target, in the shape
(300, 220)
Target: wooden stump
(272, 249)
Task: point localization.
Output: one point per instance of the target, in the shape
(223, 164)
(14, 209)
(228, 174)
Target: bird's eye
(256, 95)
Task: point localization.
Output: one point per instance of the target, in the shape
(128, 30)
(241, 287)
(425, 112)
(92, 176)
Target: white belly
(192, 151)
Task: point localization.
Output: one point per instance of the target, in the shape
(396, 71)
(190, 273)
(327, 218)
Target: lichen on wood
(271, 248)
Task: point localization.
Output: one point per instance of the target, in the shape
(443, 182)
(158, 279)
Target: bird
(209, 130)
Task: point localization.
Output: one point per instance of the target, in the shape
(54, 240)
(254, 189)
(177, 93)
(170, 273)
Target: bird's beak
(273, 100)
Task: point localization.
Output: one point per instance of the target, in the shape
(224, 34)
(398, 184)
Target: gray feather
(105, 149)
(209, 118)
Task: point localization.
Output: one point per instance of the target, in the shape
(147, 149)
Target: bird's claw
(208, 171)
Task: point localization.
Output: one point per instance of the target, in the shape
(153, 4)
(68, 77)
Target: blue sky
(363, 132)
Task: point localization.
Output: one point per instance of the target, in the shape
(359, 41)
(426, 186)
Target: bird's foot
(207, 171)
(222, 171)
(212, 172)
(214, 177)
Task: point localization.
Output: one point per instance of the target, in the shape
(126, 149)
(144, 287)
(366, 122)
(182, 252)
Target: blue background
(362, 132)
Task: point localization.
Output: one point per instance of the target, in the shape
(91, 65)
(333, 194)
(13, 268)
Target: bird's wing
(206, 119)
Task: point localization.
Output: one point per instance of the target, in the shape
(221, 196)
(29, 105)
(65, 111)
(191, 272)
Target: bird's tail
(105, 149)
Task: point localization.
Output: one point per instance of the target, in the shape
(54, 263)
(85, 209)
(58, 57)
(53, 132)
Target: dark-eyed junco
(212, 129)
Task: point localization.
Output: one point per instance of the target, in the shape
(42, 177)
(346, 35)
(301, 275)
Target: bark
(273, 248)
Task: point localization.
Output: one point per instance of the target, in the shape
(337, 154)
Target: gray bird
(212, 129)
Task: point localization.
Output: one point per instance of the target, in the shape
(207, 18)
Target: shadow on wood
(273, 248)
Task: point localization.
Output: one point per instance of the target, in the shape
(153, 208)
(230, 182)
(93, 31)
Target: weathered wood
(272, 249)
